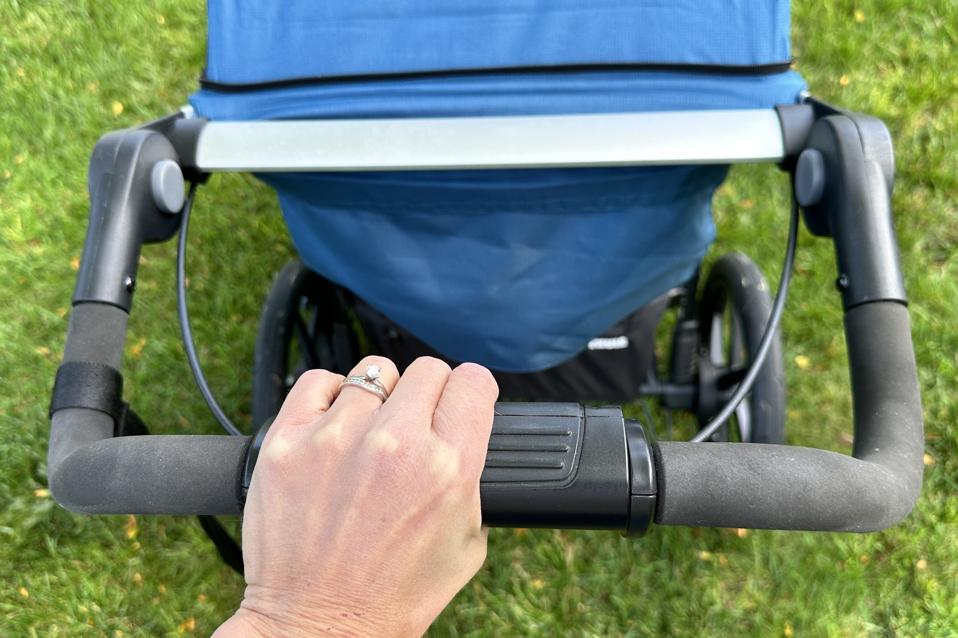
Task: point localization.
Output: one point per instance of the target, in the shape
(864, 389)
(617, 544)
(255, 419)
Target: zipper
(705, 69)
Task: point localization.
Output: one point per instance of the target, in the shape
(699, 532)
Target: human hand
(363, 517)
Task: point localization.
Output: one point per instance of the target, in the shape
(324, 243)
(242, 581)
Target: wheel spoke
(743, 415)
(716, 351)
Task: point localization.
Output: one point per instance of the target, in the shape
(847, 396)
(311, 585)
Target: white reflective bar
(630, 139)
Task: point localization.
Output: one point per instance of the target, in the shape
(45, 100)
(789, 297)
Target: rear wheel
(305, 324)
(733, 314)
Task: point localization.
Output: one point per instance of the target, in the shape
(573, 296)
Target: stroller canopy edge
(277, 40)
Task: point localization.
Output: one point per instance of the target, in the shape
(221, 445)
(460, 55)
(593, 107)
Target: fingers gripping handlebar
(555, 465)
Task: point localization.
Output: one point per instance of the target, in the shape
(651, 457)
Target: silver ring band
(360, 382)
(369, 382)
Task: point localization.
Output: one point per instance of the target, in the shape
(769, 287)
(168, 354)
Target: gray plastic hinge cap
(166, 182)
(809, 177)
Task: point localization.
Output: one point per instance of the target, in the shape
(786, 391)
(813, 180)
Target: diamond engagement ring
(369, 382)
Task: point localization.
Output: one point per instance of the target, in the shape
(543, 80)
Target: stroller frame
(608, 474)
(461, 143)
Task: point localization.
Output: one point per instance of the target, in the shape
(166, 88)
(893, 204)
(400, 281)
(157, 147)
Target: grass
(70, 71)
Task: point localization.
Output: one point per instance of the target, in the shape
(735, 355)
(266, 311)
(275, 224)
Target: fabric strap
(82, 384)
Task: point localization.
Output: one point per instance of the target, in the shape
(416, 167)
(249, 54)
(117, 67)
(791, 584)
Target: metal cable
(705, 433)
(184, 316)
(767, 337)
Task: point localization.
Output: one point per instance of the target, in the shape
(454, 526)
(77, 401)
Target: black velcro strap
(81, 384)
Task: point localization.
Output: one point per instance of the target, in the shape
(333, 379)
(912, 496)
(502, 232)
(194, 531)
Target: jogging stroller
(529, 188)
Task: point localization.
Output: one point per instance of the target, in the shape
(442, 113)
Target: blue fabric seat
(514, 269)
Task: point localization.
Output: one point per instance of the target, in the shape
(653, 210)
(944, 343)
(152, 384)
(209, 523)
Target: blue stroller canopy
(514, 269)
(276, 40)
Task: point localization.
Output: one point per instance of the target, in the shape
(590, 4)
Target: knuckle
(432, 364)
(310, 396)
(318, 377)
(383, 442)
(445, 464)
(330, 439)
(375, 359)
(392, 437)
(478, 376)
(277, 453)
(391, 461)
(387, 368)
(470, 441)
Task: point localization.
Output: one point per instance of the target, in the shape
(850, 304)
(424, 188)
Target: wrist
(257, 619)
(239, 625)
(247, 624)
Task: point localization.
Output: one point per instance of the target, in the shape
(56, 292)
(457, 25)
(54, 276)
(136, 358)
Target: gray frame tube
(459, 143)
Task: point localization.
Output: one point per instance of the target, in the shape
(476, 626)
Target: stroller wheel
(734, 312)
(305, 324)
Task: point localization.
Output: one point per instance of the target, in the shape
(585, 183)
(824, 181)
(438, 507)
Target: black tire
(306, 323)
(733, 314)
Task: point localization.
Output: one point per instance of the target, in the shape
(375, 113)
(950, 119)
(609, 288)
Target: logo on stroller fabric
(609, 343)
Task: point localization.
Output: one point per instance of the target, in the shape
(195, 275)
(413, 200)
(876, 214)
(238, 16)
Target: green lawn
(70, 71)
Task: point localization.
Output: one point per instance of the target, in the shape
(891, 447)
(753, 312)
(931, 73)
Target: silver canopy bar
(621, 139)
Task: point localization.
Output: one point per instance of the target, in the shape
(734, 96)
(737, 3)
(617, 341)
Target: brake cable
(705, 433)
(184, 316)
(767, 337)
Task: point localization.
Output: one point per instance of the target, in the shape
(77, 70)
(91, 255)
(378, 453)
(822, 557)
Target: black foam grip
(97, 333)
(91, 471)
(170, 474)
(784, 487)
(84, 384)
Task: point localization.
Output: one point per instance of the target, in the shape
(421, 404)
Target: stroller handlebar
(555, 465)
(603, 474)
